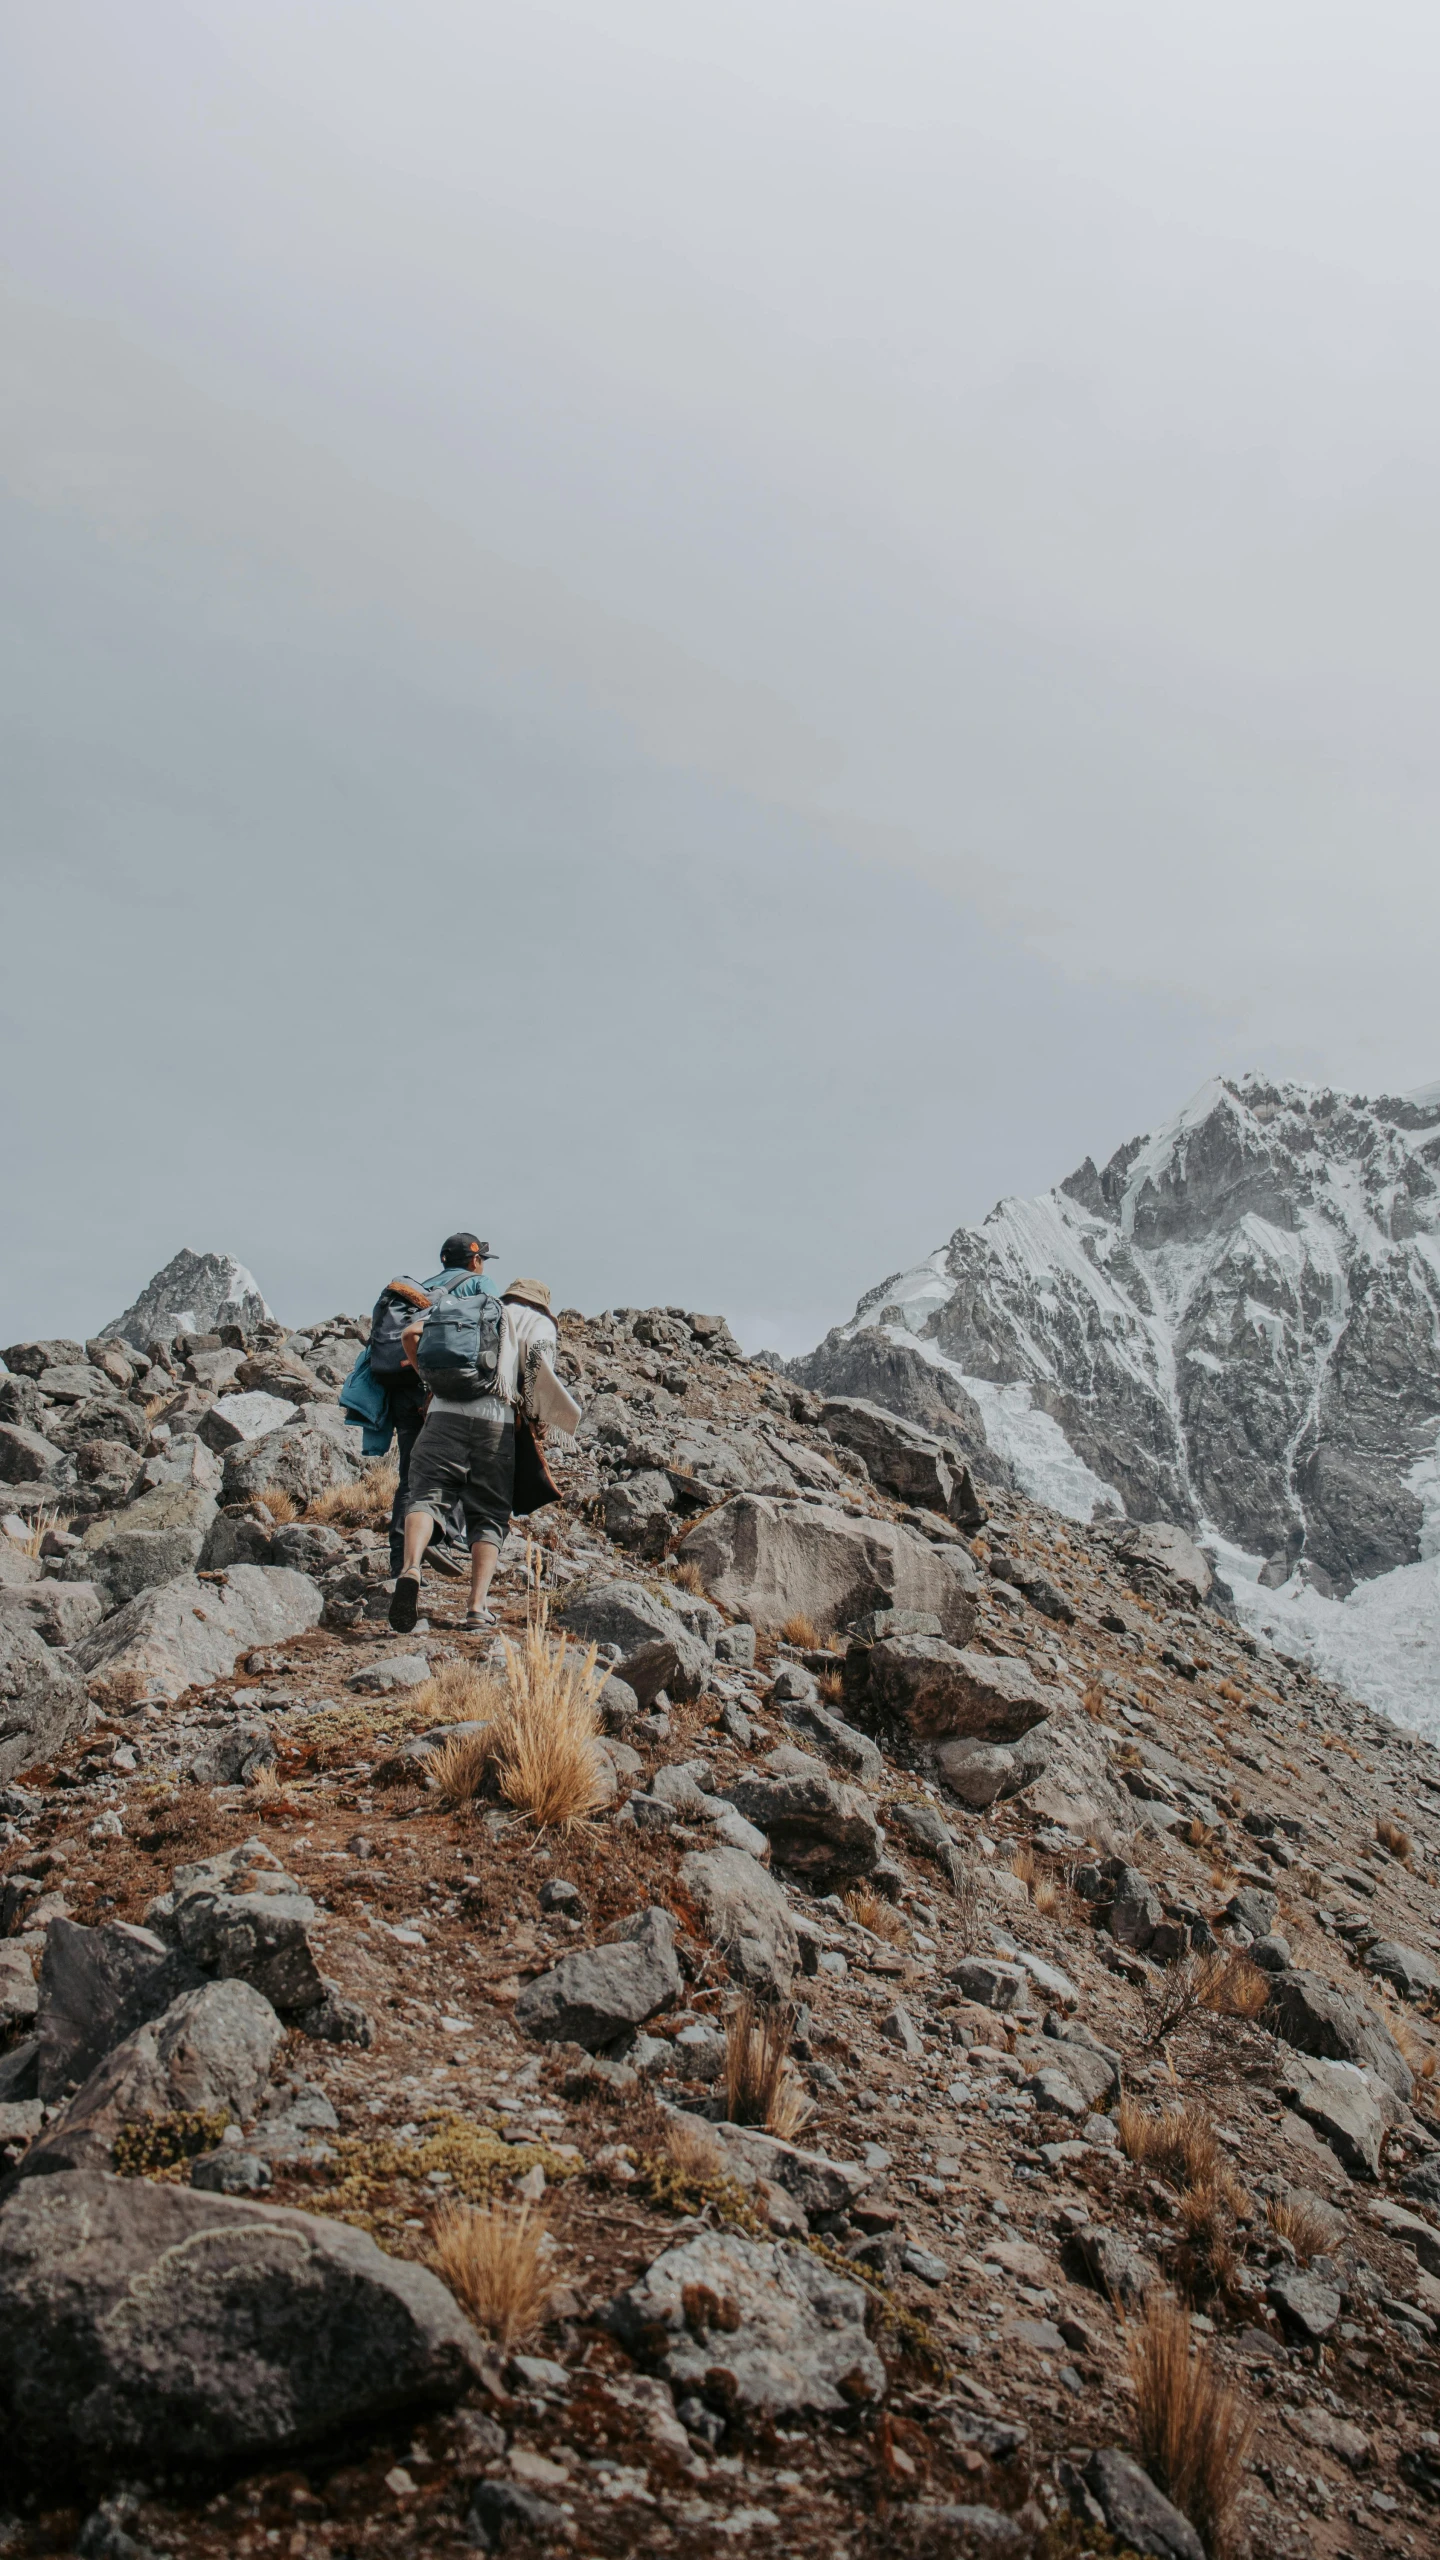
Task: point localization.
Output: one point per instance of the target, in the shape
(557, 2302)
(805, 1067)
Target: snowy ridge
(1234, 1324)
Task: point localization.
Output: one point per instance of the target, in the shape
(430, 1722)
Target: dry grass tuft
(268, 1790)
(1179, 2139)
(801, 1632)
(693, 2149)
(762, 2085)
(458, 1768)
(872, 1912)
(358, 1506)
(546, 1732)
(1420, 2056)
(1093, 1702)
(1310, 2230)
(490, 2257)
(1240, 1989)
(832, 1688)
(46, 1518)
(457, 1693)
(1392, 1835)
(279, 1504)
(1193, 2432)
(1227, 1983)
(689, 1577)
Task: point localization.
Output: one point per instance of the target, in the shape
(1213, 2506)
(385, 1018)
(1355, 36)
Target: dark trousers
(406, 1399)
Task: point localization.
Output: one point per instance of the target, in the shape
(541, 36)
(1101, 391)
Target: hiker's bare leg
(484, 1557)
(419, 1529)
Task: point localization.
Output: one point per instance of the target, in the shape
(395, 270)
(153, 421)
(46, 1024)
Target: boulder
(592, 1997)
(96, 1987)
(1413, 1975)
(1113, 2264)
(980, 1773)
(189, 1632)
(768, 1561)
(1140, 2518)
(811, 2179)
(42, 1703)
(242, 1534)
(1136, 1911)
(924, 1830)
(26, 1457)
(19, 1997)
(1307, 2307)
(236, 1420)
(32, 1359)
(1254, 1910)
(639, 1511)
(626, 1614)
(159, 2324)
(256, 1937)
(232, 1754)
(992, 1983)
(303, 1460)
(1345, 2106)
(746, 1914)
(843, 1743)
(825, 1831)
(1156, 1549)
(753, 2325)
(902, 1457)
(150, 1541)
(936, 1690)
(1315, 2019)
(210, 2050)
(183, 1460)
(61, 1613)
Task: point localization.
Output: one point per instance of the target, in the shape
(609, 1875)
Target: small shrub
(1240, 1988)
(491, 2258)
(153, 2144)
(872, 1912)
(802, 1632)
(694, 2150)
(364, 1505)
(1392, 1835)
(1192, 2430)
(761, 2084)
(1310, 2230)
(279, 1504)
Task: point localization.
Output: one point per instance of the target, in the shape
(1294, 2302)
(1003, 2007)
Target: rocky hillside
(981, 1976)
(1234, 1325)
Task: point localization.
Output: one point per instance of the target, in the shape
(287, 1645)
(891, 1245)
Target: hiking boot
(405, 1603)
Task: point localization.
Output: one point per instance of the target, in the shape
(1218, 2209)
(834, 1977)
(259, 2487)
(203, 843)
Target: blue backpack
(458, 1354)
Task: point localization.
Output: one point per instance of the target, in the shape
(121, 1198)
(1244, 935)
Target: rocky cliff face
(1235, 1324)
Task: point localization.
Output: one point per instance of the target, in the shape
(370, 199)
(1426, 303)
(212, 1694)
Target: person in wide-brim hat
(528, 1293)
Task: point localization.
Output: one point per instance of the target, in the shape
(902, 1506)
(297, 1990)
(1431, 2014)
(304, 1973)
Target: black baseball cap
(458, 1248)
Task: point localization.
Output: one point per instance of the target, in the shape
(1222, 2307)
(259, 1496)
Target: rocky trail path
(1026, 1842)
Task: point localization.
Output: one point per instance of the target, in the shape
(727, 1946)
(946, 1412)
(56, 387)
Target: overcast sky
(698, 636)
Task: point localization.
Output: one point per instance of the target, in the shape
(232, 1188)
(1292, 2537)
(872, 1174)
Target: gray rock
(767, 1560)
(243, 1534)
(737, 1645)
(992, 1984)
(151, 1541)
(843, 1743)
(1412, 1974)
(212, 2049)
(232, 1754)
(746, 1914)
(1271, 1953)
(124, 2305)
(392, 1671)
(28, 1458)
(618, 1704)
(1253, 1909)
(625, 1613)
(304, 1459)
(592, 1997)
(228, 2172)
(258, 1938)
(1422, 2185)
(1315, 2019)
(1344, 2106)
(1141, 2519)
(1056, 2094)
(61, 1614)
(936, 1689)
(22, 1402)
(813, 2181)
(1094, 2073)
(1159, 1547)
(239, 1421)
(42, 1703)
(188, 1631)
(983, 2531)
(19, 1996)
(501, 2509)
(816, 1826)
(195, 1293)
(754, 2326)
(1113, 2264)
(32, 1359)
(925, 1831)
(643, 1674)
(899, 2028)
(1308, 2309)
(96, 1987)
(639, 1511)
(902, 1457)
(865, 1361)
(1137, 1910)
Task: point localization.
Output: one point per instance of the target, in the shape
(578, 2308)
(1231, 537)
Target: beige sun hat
(528, 1293)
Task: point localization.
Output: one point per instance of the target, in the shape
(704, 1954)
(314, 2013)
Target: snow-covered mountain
(1235, 1325)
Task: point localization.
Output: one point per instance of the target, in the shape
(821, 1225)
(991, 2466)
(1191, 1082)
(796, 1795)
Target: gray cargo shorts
(470, 1455)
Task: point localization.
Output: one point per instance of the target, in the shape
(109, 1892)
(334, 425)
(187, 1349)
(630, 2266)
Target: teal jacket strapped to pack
(363, 1398)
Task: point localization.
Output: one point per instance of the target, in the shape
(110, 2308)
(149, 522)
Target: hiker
(461, 1274)
(485, 1366)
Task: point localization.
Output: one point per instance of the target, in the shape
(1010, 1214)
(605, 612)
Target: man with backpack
(482, 1360)
(399, 1305)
